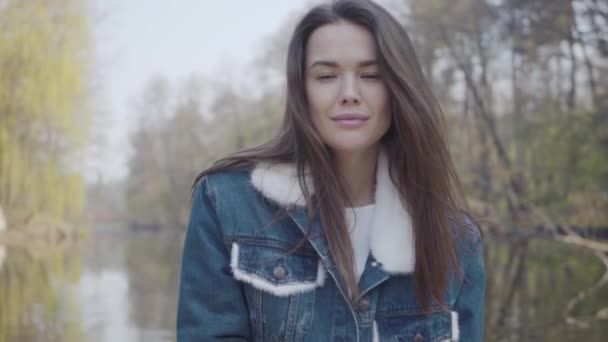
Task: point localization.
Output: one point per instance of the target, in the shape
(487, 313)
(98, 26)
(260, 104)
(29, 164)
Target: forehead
(341, 42)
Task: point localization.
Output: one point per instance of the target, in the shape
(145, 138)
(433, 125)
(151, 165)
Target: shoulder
(229, 197)
(249, 187)
(467, 234)
(470, 273)
(228, 177)
(223, 188)
(223, 181)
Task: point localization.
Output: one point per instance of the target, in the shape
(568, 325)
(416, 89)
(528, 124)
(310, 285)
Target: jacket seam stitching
(474, 251)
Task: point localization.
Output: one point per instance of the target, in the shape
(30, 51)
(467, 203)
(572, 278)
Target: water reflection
(129, 286)
(122, 287)
(153, 264)
(2, 256)
(107, 311)
(35, 301)
(116, 287)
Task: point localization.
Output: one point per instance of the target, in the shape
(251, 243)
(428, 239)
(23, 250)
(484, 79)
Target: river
(122, 286)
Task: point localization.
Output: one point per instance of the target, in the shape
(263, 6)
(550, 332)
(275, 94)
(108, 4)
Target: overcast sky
(136, 40)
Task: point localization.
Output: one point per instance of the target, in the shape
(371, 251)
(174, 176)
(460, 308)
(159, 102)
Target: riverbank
(40, 229)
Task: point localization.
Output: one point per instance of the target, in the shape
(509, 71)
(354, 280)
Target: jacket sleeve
(211, 303)
(470, 301)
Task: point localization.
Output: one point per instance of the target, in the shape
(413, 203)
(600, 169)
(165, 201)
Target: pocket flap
(269, 269)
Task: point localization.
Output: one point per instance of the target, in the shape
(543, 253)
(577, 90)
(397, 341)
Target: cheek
(383, 98)
(381, 103)
(312, 101)
(319, 100)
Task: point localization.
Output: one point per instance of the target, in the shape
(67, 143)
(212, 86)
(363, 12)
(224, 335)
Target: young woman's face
(347, 98)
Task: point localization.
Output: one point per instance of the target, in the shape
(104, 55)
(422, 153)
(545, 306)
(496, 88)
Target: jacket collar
(391, 240)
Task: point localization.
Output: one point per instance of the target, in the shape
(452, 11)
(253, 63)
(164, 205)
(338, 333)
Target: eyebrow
(334, 64)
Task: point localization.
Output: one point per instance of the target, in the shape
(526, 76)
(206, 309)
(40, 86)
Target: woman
(347, 226)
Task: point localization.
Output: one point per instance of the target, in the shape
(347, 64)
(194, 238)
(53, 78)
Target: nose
(349, 92)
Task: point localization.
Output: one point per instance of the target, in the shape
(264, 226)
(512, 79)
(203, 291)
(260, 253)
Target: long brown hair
(419, 161)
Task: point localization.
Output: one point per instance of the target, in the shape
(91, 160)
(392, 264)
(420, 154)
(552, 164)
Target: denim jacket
(238, 283)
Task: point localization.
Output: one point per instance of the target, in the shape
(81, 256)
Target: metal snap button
(363, 305)
(418, 338)
(374, 263)
(279, 272)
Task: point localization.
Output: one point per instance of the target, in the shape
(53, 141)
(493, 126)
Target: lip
(350, 116)
(350, 120)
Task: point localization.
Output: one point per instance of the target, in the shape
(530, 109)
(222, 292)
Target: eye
(371, 75)
(324, 77)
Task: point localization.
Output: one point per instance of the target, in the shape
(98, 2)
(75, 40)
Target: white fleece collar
(391, 242)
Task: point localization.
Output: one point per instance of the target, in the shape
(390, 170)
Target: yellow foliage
(45, 54)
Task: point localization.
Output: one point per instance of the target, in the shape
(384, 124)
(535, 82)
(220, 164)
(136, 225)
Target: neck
(357, 170)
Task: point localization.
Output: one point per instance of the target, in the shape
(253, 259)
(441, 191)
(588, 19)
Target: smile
(350, 120)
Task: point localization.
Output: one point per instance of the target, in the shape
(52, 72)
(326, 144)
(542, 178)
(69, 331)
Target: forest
(523, 85)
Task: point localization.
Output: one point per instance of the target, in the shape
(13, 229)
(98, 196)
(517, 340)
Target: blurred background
(109, 108)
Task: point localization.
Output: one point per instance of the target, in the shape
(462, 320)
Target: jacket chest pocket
(399, 317)
(280, 288)
(407, 327)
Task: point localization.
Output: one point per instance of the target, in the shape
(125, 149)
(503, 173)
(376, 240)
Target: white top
(359, 223)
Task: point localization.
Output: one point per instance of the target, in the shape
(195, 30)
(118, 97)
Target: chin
(351, 146)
